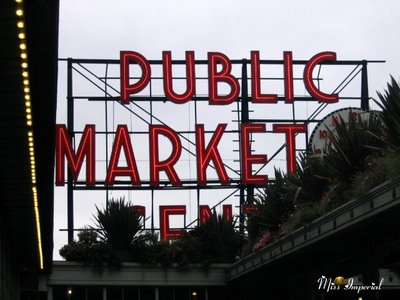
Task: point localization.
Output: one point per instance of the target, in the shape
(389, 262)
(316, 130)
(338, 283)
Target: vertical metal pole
(70, 122)
(244, 119)
(197, 190)
(49, 293)
(106, 121)
(245, 94)
(104, 293)
(156, 293)
(152, 211)
(198, 206)
(364, 87)
(152, 190)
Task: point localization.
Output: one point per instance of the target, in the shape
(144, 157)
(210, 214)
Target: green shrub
(379, 170)
(89, 250)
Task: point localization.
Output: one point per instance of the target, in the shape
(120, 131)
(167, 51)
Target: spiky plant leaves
(350, 145)
(118, 224)
(273, 204)
(322, 182)
(310, 181)
(390, 105)
(317, 177)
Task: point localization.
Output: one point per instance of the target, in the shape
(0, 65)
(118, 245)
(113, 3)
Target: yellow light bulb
(19, 12)
(21, 36)
(20, 24)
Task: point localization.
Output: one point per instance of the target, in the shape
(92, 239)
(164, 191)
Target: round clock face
(319, 141)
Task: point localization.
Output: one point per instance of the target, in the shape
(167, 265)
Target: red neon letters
(190, 78)
(223, 89)
(290, 131)
(288, 74)
(167, 165)
(166, 233)
(308, 80)
(218, 79)
(257, 97)
(205, 154)
(223, 76)
(126, 89)
(75, 161)
(249, 159)
(205, 212)
(122, 142)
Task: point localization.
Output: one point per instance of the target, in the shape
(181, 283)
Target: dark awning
(16, 196)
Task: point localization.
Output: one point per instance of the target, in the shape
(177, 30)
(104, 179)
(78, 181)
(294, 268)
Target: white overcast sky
(354, 29)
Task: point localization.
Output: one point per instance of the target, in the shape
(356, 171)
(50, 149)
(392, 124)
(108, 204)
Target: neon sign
(223, 88)
(205, 153)
(224, 75)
